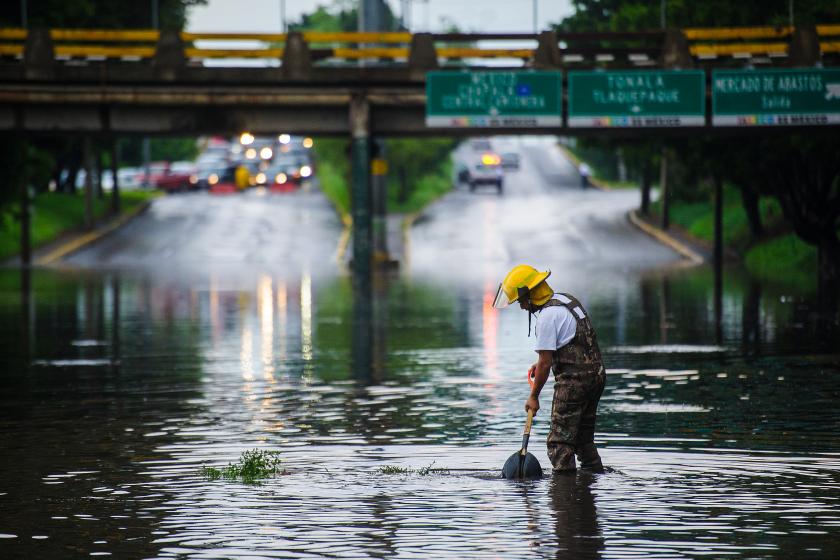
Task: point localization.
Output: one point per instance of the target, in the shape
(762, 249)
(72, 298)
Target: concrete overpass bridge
(361, 85)
(150, 82)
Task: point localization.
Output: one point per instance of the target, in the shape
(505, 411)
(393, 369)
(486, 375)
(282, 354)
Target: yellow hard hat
(520, 276)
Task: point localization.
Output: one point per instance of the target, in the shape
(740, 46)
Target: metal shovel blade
(518, 467)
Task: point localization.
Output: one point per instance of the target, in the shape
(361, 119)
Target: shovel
(523, 464)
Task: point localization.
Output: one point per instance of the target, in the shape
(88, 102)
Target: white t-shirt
(556, 327)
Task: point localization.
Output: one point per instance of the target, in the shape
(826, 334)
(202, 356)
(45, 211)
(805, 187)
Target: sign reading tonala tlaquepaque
(636, 98)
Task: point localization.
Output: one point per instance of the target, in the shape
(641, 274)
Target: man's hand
(532, 403)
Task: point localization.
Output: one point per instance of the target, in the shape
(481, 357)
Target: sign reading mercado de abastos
(633, 98)
(801, 96)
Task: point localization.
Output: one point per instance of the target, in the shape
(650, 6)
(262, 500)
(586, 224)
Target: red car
(180, 176)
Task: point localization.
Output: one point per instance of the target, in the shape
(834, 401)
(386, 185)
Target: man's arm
(541, 370)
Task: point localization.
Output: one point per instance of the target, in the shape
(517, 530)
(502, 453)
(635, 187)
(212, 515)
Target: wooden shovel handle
(528, 422)
(527, 433)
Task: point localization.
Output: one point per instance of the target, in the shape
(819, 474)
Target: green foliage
(97, 14)
(786, 261)
(54, 214)
(160, 149)
(623, 15)
(393, 469)
(252, 466)
(422, 471)
(342, 15)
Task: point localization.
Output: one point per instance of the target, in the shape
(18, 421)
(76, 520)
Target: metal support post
(360, 193)
(87, 164)
(663, 189)
(115, 189)
(718, 224)
(379, 188)
(25, 217)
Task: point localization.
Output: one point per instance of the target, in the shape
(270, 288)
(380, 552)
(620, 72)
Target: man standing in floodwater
(566, 344)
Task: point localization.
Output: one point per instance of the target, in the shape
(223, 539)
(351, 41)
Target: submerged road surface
(210, 326)
(198, 233)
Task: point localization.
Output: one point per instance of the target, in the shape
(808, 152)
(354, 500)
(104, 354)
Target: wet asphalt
(543, 217)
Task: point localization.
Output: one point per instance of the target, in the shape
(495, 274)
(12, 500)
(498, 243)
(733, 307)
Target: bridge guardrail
(637, 48)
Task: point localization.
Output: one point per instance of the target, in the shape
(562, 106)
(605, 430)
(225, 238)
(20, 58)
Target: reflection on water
(720, 428)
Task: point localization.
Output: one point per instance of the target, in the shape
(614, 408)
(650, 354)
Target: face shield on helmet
(501, 301)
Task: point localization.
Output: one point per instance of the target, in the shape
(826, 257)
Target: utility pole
(24, 22)
(790, 13)
(663, 20)
(25, 211)
(283, 27)
(146, 146)
(536, 17)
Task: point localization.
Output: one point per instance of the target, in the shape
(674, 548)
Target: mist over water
(720, 436)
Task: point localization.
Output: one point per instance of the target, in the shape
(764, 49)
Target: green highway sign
(484, 99)
(802, 96)
(637, 98)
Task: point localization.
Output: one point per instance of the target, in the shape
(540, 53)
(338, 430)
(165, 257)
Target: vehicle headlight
(250, 153)
(260, 178)
(284, 138)
(307, 142)
(246, 139)
(213, 179)
(281, 178)
(266, 153)
(305, 171)
(193, 179)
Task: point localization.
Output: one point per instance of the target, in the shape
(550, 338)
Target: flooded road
(124, 374)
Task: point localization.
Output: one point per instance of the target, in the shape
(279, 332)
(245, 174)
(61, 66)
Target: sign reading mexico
(493, 99)
(776, 97)
(638, 98)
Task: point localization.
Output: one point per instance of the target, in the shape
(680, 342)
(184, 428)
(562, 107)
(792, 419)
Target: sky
(263, 16)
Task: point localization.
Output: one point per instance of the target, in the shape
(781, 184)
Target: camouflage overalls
(579, 381)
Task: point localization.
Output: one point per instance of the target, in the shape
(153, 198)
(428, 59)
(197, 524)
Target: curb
(664, 238)
(344, 238)
(594, 181)
(86, 239)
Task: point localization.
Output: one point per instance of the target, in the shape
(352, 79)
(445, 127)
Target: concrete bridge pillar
(297, 60)
(547, 54)
(804, 46)
(360, 192)
(39, 54)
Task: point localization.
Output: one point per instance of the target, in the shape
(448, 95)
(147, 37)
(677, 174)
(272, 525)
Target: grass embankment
(599, 176)
(779, 257)
(419, 171)
(54, 214)
(426, 190)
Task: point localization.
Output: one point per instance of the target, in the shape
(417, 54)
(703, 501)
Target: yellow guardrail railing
(722, 33)
(11, 50)
(233, 53)
(105, 35)
(372, 52)
(104, 51)
(828, 30)
(708, 42)
(270, 37)
(356, 37)
(467, 52)
(13, 34)
(739, 48)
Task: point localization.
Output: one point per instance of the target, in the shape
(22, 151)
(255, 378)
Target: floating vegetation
(253, 465)
(422, 471)
(393, 469)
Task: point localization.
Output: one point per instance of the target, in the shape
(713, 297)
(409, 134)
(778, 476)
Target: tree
(803, 173)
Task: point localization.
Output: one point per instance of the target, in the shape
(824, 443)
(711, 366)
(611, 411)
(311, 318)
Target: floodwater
(719, 426)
